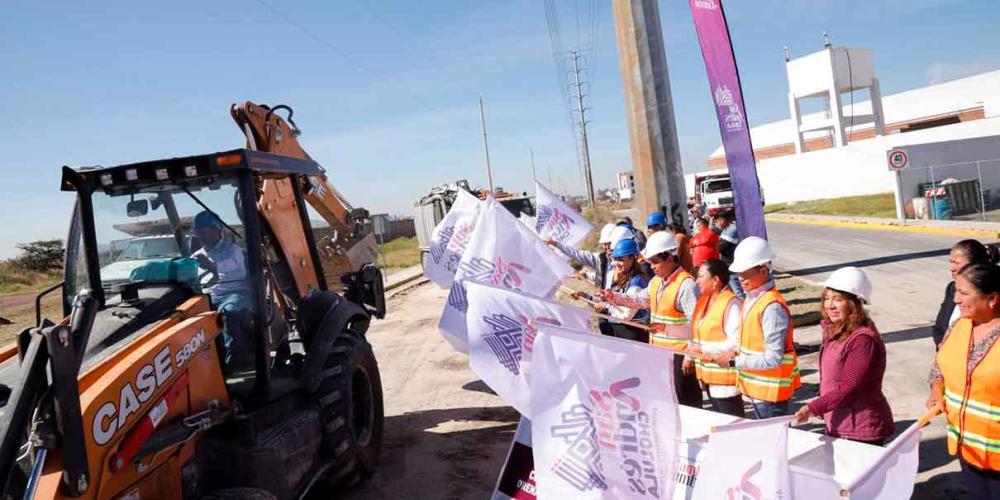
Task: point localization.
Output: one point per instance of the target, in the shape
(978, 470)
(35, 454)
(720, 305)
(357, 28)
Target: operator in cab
(224, 260)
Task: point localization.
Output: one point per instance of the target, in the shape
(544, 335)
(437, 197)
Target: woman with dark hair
(683, 248)
(963, 253)
(851, 364)
(704, 244)
(965, 379)
(629, 280)
(715, 328)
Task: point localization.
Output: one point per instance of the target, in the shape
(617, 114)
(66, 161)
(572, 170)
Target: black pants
(982, 484)
(629, 333)
(730, 406)
(687, 387)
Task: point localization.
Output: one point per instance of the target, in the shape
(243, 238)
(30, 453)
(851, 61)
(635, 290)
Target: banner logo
(611, 424)
(511, 336)
(706, 4)
(501, 272)
(746, 490)
(733, 117)
(554, 223)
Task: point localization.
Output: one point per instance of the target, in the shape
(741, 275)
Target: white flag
(605, 420)
(893, 474)
(556, 220)
(502, 327)
(746, 460)
(450, 238)
(504, 253)
(528, 220)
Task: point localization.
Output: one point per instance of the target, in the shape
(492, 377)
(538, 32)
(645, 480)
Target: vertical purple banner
(724, 79)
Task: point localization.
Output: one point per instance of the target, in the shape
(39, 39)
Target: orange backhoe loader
(212, 344)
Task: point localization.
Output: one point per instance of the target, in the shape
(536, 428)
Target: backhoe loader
(225, 357)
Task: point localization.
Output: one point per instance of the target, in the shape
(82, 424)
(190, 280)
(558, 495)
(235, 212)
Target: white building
(626, 186)
(842, 150)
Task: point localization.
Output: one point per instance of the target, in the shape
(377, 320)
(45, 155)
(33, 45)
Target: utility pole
(549, 167)
(486, 146)
(587, 177)
(533, 176)
(656, 158)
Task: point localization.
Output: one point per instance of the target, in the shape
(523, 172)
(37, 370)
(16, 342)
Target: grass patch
(400, 253)
(23, 315)
(869, 205)
(14, 279)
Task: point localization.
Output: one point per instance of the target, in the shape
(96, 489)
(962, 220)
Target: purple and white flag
(504, 253)
(746, 460)
(450, 238)
(606, 420)
(502, 325)
(894, 472)
(556, 220)
(724, 81)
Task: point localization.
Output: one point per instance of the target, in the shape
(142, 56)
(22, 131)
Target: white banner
(894, 472)
(556, 220)
(605, 420)
(746, 460)
(502, 326)
(503, 253)
(450, 238)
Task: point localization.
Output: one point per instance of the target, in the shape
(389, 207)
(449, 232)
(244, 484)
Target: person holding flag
(964, 379)
(629, 280)
(766, 363)
(715, 328)
(598, 261)
(670, 297)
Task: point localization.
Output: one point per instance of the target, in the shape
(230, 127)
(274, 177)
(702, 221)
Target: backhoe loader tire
(240, 494)
(351, 412)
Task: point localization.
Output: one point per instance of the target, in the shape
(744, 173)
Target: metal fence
(958, 191)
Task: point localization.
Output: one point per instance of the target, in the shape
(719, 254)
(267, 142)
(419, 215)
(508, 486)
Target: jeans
(767, 409)
(686, 386)
(232, 306)
(730, 406)
(982, 484)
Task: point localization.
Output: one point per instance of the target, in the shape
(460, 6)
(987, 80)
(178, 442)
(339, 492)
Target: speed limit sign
(898, 159)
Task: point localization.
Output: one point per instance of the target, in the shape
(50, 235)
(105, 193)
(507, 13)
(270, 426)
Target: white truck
(714, 191)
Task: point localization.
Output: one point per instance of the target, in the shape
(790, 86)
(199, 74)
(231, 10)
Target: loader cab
(164, 201)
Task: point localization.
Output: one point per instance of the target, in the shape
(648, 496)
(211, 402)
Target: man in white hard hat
(768, 372)
(670, 297)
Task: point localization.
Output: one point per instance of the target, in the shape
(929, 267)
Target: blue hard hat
(656, 219)
(625, 247)
(206, 219)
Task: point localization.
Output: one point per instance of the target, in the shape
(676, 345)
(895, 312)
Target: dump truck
(237, 368)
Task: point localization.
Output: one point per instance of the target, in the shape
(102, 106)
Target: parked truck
(714, 191)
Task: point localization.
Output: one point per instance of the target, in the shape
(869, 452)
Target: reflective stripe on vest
(972, 400)
(709, 331)
(663, 309)
(773, 384)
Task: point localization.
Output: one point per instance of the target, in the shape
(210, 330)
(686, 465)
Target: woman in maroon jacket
(851, 364)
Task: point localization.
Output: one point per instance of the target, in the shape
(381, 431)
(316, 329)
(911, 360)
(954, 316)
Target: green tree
(41, 256)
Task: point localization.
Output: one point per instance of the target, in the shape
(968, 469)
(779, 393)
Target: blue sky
(387, 91)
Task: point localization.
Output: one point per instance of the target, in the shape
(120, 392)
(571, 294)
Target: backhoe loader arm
(348, 248)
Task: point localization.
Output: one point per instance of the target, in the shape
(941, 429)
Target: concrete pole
(656, 157)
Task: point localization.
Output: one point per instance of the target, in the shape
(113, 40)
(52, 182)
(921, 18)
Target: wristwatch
(732, 362)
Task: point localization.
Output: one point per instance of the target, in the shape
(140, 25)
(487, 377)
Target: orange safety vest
(663, 309)
(972, 400)
(773, 384)
(709, 331)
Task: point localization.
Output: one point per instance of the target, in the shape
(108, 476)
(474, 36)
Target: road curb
(398, 283)
(886, 226)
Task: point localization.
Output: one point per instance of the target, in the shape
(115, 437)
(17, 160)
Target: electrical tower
(587, 177)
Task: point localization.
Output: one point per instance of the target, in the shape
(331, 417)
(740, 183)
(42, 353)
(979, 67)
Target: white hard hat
(606, 233)
(659, 242)
(619, 233)
(851, 280)
(752, 251)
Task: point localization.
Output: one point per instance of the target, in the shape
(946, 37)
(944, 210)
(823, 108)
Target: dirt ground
(446, 434)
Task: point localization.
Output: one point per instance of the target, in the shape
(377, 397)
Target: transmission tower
(581, 111)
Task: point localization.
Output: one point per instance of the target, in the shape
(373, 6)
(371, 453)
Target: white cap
(851, 280)
(619, 233)
(659, 242)
(751, 252)
(606, 233)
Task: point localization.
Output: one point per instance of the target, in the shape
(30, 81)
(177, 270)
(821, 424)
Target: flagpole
(533, 176)
(889, 451)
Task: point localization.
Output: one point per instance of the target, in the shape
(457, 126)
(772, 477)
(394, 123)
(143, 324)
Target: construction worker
(964, 379)
(629, 280)
(228, 288)
(600, 262)
(670, 297)
(655, 222)
(715, 328)
(851, 364)
(766, 363)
